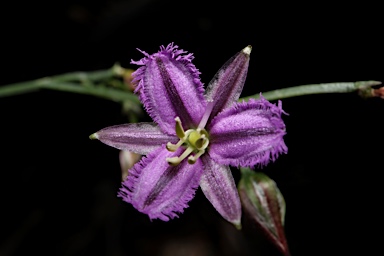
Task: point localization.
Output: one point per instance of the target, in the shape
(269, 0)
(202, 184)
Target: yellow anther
(193, 159)
(179, 128)
(176, 160)
(173, 147)
(195, 140)
(173, 160)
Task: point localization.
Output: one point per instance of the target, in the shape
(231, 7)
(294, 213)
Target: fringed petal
(140, 138)
(169, 86)
(219, 187)
(158, 189)
(248, 134)
(226, 86)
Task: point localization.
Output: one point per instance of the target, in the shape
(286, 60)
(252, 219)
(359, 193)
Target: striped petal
(169, 86)
(226, 86)
(248, 134)
(219, 187)
(140, 138)
(158, 189)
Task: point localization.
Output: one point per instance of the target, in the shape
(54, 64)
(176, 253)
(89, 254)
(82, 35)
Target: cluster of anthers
(195, 140)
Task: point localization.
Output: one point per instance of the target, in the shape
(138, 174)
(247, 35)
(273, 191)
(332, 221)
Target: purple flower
(197, 136)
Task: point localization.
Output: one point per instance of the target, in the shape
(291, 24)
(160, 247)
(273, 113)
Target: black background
(58, 188)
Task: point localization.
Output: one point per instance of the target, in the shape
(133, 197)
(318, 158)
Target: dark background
(58, 188)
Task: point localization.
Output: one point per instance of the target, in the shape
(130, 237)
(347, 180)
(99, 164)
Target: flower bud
(264, 203)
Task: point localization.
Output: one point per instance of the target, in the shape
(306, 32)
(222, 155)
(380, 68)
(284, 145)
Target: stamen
(173, 147)
(179, 128)
(193, 159)
(176, 160)
(196, 140)
(199, 143)
(202, 142)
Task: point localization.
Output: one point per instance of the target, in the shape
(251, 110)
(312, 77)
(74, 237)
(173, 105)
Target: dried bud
(378, 92)
(366, 90)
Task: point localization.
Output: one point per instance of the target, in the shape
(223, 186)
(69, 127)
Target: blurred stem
(301, 90)
(76, 82)
(98, 91)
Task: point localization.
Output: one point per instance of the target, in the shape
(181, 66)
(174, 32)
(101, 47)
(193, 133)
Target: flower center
(195, 141)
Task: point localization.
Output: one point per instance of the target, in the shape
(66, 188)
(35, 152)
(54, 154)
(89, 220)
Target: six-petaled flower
(196, 135)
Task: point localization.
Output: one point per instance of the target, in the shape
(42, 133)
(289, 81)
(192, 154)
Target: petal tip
(247, 50)
(237, 225)
(94, 136)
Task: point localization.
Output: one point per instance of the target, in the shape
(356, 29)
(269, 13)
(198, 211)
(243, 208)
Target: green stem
(19, 88)
(98, 91)
(315, 89)
(76, 82)
(86, 76)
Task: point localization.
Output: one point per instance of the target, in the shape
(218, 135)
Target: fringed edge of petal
(173, 52)
(263, 158)
(267, 156)
(130, 185)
